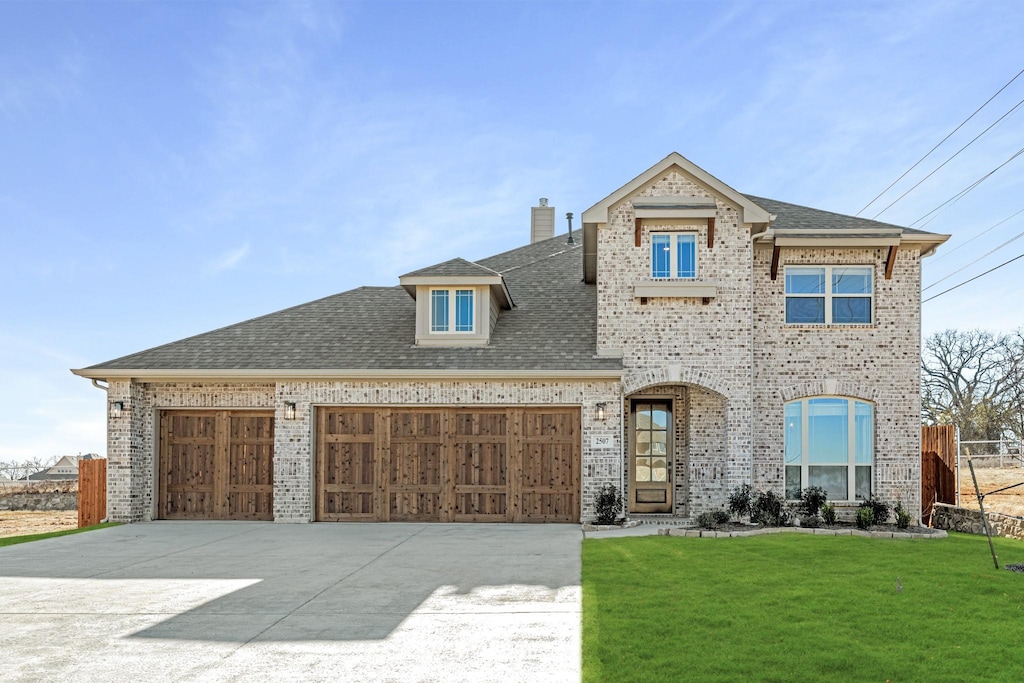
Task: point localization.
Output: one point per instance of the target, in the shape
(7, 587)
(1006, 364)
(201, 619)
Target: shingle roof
(794, 216)
(553, 327)
(457, 267)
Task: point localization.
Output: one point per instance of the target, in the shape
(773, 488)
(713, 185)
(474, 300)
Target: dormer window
(674, 255)
(448, 317)
(457, 303)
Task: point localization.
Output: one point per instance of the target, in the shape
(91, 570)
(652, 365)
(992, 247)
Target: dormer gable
(687, 206)
(457, 302)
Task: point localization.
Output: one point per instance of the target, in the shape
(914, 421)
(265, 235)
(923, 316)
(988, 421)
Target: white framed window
(673, 255)
(451, 310)
(829, 442)
(829, 295)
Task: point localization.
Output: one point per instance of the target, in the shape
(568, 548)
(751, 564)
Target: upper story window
(451, 310)
(674, 255)
(829, 295)
(829, 442)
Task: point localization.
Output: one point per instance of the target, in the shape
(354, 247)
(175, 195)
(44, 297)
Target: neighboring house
(688, 340)
(65, 468)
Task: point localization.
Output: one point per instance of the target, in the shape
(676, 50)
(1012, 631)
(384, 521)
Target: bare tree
(969, 378)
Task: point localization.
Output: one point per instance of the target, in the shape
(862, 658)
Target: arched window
(830, 443)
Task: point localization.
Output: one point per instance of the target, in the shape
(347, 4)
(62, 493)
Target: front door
(651, 462)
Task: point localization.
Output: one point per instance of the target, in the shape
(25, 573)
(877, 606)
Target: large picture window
(446, 316)
(829, 442)
(673, 255)
(829, 295)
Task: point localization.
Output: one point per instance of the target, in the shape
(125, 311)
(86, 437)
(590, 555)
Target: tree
(969, 378)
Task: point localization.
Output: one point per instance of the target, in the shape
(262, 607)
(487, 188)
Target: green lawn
(13, 540)
(801, 608)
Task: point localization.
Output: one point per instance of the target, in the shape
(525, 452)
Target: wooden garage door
(216, 465)
(448, 464)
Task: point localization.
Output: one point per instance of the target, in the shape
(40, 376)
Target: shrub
(769, 509)
(879, 510)
(828, 514)
(740, 501)
(811, 500)
(864, 517)
(902, 516)
(810, 522)
(609, 504)
(712, 519)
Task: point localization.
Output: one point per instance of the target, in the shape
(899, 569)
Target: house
(686, 340)
(66, 467)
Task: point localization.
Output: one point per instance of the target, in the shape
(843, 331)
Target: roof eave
(274, 375)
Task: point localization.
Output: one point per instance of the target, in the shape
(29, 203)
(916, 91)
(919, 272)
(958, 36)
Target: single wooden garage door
(216, 464)
(448, 464)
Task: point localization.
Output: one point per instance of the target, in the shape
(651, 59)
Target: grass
(801, 608)
(14, 540)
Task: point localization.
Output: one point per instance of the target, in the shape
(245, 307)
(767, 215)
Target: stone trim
(707, 533)
(637, 380)
(829, 387)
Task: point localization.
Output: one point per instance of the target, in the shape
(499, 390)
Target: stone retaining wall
(39, 501)
(968, 521)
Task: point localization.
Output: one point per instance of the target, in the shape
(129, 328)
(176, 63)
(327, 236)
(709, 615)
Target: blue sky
(170, 168)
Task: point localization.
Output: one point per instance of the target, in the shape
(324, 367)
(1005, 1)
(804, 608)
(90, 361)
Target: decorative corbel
(890, 262)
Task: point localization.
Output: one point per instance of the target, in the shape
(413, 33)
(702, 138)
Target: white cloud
(231, 259)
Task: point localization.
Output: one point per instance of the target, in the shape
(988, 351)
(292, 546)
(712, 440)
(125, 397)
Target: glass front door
(651, 457)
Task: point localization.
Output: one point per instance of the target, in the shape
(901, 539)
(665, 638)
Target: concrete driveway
(211, 601)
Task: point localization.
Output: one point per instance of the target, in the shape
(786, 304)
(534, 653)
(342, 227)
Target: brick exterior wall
(729, 365)
(683, 341)
(877, 363)
(132, 439)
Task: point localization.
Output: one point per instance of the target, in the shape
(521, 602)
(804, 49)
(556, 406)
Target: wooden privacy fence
(938, 468)
(92, 492)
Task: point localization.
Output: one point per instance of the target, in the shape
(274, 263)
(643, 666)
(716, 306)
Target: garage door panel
(415, 506)
(476, 505)
(343, 504)
(415, 464)
(351, 463)
(216, 465)
(452, 464)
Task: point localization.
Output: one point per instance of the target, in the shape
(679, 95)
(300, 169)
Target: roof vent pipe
(542, 221)
(568, 217)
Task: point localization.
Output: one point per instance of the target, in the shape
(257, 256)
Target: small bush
(740, 501)
(828, 514)
(609, 504)
(810, 522)
(712, 519)
(769, 509)
(811, 500)
(902, 516)
(864, 517)
(879, 510)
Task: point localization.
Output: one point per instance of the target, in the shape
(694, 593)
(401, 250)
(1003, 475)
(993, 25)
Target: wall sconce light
(602, 412)
(116, 408)
(289, 410)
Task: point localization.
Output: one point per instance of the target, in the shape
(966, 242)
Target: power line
(936, 170)
(940, 143)
(1015, 258)
(983, 232)
(962, 193)
(982, 257)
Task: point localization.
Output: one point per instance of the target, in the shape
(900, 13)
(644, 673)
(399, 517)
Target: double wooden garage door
(448, 464)
(216, 465)
(380, 464)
